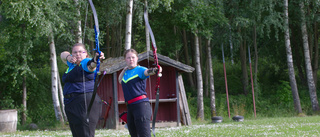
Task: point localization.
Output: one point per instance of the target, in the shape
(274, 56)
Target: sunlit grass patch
(287, 126)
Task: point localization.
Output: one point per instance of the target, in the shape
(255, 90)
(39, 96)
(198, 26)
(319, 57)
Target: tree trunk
(256, 57)
(24, 100)
(78, 30)
(129, 24)
(311, 85)
(316, 54)
(187, 57)
(243, 58)
(293, 83)
(206, 69)
(108, 42)
(211, 82)
(54, 80)
(113, 41)
(60, 90)
(200, 52)
(24, 85)
(120, 40)
(206, 81)
(200, 107)
(231, 45)
(147, 31)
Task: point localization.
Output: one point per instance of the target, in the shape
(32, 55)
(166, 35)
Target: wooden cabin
(172, 101)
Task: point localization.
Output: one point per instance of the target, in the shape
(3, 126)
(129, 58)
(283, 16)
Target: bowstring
(150, 92)
(149, 79)
(84, 92)
(83, 79)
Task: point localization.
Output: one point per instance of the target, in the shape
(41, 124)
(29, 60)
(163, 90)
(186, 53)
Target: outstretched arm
(152, 71)
(92, 64)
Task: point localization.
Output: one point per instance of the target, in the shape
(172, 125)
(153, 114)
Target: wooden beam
(186, 112)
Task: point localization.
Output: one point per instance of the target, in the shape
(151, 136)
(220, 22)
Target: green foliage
(40, 97)
(201, 16)
(6, 103)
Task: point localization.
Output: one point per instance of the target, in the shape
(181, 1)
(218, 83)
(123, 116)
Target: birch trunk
(211, 82)
(200, 110)
(311, 85)
(129, 24)
(78, 31)
(24, 100)
(293, 83)
(60, 89)
(54, 79)
(206, 79)
(24, 86)
(147, 31)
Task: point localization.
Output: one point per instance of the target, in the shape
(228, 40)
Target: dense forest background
(232, 28)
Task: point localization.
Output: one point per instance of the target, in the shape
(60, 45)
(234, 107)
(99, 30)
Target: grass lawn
(286, 126)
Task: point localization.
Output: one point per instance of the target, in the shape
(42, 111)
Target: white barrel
(8, 120)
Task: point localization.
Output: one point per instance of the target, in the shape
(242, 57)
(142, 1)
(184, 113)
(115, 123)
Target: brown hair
(81, 45)
(130, 50)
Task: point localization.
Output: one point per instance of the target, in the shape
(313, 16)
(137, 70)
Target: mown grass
(281, 126)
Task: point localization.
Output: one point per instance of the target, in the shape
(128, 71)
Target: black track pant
(77, 116)
(139, 116)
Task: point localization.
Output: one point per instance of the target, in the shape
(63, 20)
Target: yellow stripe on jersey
(125, 81)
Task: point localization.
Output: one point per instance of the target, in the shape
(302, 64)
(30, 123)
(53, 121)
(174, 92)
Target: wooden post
(225, 79)
(178, 100)
(115, 100)
(254, 104)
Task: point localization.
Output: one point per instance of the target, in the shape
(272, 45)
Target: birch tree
(211, 82)
(54, 79)
(78, 23)
(293, 83)
(311, 85)
(24, 100)
(129, 24)
(200, 108)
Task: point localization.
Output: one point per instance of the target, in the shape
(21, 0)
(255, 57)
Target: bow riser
(157, 88)
(97, 49)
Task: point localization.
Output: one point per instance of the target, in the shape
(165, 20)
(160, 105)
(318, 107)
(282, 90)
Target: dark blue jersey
(78, 79)
(134, 84)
